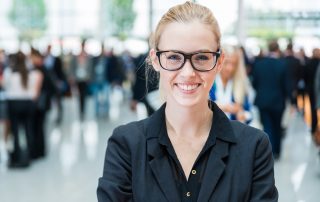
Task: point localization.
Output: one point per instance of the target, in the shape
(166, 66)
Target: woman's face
(186, 86)
(230, 65)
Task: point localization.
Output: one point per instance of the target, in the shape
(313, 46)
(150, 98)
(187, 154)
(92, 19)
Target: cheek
(209, 79)
(165, 78)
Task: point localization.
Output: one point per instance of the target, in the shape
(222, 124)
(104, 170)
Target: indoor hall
(76, 152)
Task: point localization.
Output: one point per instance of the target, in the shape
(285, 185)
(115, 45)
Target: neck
(224, 81)
(183, 121)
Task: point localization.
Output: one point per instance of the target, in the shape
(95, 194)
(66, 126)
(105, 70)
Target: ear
(220, 62)
(154, 60)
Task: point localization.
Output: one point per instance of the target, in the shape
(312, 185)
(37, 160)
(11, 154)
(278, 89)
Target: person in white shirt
(22, 88)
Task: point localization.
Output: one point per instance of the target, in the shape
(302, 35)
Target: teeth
(187, 87)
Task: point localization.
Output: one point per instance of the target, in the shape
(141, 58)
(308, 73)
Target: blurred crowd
(32, 83)
(272, 81)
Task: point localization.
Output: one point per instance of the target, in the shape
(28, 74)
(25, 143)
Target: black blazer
(239, 168)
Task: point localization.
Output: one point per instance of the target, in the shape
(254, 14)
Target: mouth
(188, 87)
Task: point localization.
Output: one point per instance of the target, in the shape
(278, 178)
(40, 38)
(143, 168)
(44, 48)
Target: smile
(187, 87)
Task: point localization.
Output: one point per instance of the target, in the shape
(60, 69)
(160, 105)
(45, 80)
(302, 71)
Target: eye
(202, 57)
(174, 56)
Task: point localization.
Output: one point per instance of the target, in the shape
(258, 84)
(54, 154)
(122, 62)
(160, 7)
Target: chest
(187, 151)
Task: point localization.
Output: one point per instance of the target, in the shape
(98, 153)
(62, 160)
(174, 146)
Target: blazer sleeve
(263, 183)
(115, 184)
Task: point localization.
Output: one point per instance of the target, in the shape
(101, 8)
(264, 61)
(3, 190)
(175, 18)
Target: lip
(187, 88)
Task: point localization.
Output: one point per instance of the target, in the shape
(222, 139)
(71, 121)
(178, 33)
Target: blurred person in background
(115, 76)
(311, 71)
(272, 85)
(67, 69)
(55, 71)
(143, 85)
(115, 70)
(301, 55)
(302, 88)
(42, 104)
(231, 87)
(128, 65)
(100, 85)
(188, 150)
(296, 74)
(3, 103)
(22, 89)
(3, 61)
(247, 60)
(81, 66)
(316, 133)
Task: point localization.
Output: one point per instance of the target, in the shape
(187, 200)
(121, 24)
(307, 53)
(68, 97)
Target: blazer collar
(221, 127)
(223, 136)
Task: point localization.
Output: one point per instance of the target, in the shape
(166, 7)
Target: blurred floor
(76, 154)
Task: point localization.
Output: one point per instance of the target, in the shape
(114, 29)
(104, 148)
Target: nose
(187, 69)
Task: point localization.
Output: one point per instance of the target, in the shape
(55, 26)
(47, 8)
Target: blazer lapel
(223, 135)
(214, 170)
(158, 161)
(163, 173)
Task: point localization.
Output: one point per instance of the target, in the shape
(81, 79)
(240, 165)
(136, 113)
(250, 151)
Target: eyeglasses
(201, 61)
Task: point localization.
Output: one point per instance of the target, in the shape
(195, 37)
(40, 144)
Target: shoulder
(252, 146)
(248, 135)
(129, 133)
(36, 73)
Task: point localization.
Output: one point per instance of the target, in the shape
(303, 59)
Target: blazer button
(188, 194)
(194, 172)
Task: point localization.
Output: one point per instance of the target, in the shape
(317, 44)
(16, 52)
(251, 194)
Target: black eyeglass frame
(188, 56)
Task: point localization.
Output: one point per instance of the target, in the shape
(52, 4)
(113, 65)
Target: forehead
(188, 37)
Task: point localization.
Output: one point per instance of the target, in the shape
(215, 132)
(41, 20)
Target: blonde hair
(241, 82)
(184, 13)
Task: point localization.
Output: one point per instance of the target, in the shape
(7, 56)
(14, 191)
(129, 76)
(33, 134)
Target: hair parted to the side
(184, 13)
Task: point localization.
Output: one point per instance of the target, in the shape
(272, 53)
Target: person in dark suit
(188, 150)
(114, 72)
(296, 74)
(142, 86)
(272, 84)
(54, 68)
(42, 105)
(311, 79)
(81, 67)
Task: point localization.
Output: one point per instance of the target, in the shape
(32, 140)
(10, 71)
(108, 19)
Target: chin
(187, 102)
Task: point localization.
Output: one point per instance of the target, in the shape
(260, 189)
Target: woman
(231, 87)
(188, 150)
(22, 87)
